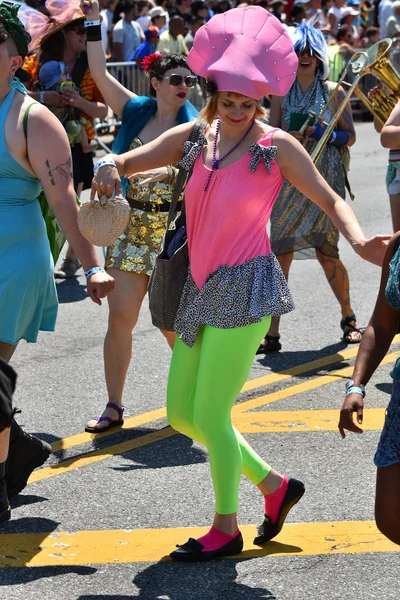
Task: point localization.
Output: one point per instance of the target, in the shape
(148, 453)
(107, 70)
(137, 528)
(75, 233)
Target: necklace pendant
(215, 164)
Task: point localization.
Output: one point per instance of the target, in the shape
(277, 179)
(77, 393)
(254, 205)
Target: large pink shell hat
(247, 51)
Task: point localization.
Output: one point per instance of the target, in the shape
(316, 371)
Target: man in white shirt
(385, 11)
(127, 34)
(335, 14)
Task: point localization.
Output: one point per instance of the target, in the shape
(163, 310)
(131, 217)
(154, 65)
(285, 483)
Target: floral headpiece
(147, 62)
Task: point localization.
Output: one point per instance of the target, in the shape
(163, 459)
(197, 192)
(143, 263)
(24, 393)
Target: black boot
(26, 453)
(5, 510)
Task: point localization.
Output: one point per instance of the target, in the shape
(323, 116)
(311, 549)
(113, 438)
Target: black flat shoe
(192, 550)
(272, 344)
(267, 531)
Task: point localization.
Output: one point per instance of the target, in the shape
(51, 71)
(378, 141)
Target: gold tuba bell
(380, 101)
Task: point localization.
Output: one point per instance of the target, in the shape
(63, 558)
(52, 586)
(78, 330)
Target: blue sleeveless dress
(28, 297)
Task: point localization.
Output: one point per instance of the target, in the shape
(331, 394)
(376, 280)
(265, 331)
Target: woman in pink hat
(235, 283)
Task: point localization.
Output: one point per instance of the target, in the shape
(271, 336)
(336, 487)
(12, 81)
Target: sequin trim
(234, 297)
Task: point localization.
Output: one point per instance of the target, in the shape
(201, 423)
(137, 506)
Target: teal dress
(28, 297)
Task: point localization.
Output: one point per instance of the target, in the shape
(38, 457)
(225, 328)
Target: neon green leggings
(204, 382)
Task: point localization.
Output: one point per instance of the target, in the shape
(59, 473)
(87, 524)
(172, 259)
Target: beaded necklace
(216, 161)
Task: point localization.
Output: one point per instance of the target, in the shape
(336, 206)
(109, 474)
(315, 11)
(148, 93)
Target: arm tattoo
(50, 173)
(63, 171)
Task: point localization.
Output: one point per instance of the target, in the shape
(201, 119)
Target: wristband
(104, 163)
(93, 33)
(92, 23)
(94, 270)
(41, 96)
(339, 138)
(354, 389)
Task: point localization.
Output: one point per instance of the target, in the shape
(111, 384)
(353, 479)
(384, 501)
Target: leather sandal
(192, 550)
(111, 422)
(347, 327)
(268, 530)
(272, 344)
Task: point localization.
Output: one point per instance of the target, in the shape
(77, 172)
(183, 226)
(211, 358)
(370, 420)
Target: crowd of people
(241, 170)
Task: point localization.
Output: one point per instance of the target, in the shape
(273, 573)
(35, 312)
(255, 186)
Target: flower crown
(147, 62)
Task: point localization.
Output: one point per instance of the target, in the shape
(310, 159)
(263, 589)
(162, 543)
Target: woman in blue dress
(32, 157)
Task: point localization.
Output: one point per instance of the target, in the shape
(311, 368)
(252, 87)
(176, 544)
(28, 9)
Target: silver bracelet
(104, 163)
(41, 96)
(92, 23)
(93, 271)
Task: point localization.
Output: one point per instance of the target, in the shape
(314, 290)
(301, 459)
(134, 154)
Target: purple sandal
(111, 422)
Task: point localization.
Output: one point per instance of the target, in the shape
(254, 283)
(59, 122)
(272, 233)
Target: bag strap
(183, 175)
(26, 115)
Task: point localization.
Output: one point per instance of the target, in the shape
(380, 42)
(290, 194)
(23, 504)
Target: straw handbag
(102, 221)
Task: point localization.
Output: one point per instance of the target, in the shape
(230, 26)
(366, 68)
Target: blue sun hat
(50, 73)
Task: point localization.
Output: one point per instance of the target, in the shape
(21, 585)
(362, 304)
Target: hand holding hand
(353, 403)
(151, 176)
(99, 286)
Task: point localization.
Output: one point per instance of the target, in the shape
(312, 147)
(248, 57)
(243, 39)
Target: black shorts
(8, 378)
(82, 163)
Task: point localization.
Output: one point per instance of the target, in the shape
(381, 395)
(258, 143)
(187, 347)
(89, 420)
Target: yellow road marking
(149, 545)
(83, 438)
(300, 369)
(302, 387)
(238, 411)
(302, 420)
(160, 413)
(93, 457)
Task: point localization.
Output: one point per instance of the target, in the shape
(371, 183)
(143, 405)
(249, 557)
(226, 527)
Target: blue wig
(307, 35)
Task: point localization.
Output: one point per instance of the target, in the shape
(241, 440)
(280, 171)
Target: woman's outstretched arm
(165, 150)
(298, 168)
(113, 92)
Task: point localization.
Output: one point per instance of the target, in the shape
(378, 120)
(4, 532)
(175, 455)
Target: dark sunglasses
(79, 29)
(175, 80)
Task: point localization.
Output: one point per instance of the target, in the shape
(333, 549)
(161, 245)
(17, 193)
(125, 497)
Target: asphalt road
(97, 520)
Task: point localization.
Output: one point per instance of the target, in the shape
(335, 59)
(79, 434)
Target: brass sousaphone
(380, 100)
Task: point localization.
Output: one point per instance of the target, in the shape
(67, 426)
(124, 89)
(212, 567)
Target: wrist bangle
(104, 163)
(354, 389)
(94, 270)
(93, 33)
(41, 96)
(92, 23)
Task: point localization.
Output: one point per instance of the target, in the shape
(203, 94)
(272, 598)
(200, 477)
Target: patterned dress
(297, 224)
(136, 249)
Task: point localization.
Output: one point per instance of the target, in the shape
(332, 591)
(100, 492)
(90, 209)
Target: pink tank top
(227, 224)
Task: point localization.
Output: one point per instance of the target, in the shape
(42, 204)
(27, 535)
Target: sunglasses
(79, 30)
(176, 80)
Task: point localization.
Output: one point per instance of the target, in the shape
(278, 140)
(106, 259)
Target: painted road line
(302, 387)
(93, 457)
(240, 409)
(304, 368)
(84, 438)
(160, 413)
(149, 545)
(302, 420)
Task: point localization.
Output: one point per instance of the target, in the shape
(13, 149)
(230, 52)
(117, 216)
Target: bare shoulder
(40, 117)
